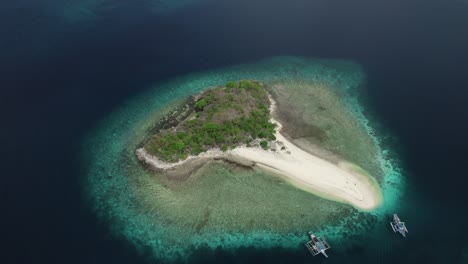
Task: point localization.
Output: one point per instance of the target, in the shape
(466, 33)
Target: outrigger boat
(398, 226)
(317, 245)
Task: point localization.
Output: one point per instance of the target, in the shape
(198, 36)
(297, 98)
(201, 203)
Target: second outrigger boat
(398, 226)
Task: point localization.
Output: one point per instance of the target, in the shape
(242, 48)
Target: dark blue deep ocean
(60, 76)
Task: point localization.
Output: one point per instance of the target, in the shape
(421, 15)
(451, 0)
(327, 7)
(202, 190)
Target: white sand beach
(342, 182)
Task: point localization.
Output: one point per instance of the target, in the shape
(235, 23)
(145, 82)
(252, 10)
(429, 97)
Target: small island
(222, 118)
(313, 161)
(234, 123)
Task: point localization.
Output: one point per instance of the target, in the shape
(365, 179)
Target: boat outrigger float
(398, 226)
(317, 245)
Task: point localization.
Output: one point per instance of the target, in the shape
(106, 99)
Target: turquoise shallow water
(111, 167)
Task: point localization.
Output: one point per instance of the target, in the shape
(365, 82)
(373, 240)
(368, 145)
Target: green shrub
(239, 108)
(201, 104)
(249, 85)
(231, 84)
(261, 134)
(244, 84)
(198, 135)
(181, 135)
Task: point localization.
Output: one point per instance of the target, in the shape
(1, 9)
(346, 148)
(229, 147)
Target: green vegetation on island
(223, 117)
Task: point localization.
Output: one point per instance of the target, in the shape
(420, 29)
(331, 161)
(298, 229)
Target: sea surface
(67, 65)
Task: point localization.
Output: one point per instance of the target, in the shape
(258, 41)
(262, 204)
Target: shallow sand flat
(341, 182)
